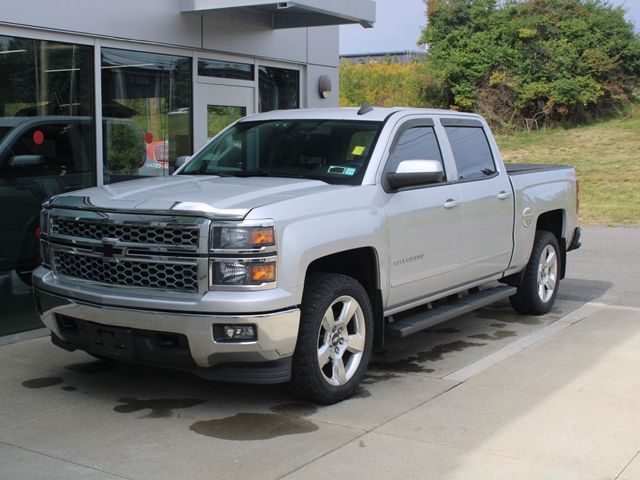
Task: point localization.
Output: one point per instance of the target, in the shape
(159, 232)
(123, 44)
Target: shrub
(523, 62)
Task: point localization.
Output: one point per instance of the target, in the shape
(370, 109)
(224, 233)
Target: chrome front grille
(144, 251)
(168, 276)
(163, 235)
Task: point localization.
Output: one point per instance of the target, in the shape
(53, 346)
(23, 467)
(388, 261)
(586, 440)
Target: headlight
(243, 237)
(243, 272)
(245, 255)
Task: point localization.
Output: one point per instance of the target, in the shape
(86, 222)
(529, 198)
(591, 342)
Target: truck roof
(378, 114)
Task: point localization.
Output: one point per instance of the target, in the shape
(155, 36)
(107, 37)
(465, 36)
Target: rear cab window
(471, 150)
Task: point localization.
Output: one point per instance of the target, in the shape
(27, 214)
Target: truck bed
(522, 168)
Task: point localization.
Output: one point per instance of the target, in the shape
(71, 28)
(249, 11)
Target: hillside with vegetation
(606, 156)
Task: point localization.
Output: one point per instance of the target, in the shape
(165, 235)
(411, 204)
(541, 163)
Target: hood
(216, 197)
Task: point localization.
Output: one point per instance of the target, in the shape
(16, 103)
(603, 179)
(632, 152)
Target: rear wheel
(334, 340)
(537, 293)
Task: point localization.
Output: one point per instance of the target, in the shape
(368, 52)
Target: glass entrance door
(217, 106)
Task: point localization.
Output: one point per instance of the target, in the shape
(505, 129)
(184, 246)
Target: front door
(424, 223)
(217, 106)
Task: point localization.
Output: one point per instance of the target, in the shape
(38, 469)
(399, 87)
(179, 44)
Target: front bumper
(276, 337)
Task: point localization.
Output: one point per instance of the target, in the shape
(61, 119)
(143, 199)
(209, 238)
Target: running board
(468, 303)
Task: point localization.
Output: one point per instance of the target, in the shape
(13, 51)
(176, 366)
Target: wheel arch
(362, 264)
(554, 221)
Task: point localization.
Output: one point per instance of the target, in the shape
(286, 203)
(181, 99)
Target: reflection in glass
(146, 112)
(222, 69)
(279, 88)
(220, 117)
(46, 148)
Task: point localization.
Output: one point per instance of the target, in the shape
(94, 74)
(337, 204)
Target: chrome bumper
(276, 332)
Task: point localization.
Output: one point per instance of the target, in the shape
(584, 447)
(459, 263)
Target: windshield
(334, 151)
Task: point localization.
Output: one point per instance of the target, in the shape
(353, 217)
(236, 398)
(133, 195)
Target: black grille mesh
(183, 235)
(128, 273)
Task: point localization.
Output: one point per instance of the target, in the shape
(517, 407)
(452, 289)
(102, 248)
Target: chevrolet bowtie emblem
(109, 248)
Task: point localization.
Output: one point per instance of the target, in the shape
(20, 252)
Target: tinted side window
(471, 152)
(417, 143)
(62, 149)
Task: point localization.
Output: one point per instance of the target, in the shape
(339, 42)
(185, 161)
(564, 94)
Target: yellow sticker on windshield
(358, 150)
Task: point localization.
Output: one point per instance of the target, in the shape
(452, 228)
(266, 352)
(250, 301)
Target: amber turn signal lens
(264, 273)
(262, 237)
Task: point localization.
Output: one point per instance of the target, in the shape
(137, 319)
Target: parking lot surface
(488, 395)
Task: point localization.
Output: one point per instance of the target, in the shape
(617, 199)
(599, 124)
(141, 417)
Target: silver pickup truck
(288, 246)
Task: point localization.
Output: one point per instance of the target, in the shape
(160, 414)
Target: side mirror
(27, 161)
(411, 173)
(180, 161)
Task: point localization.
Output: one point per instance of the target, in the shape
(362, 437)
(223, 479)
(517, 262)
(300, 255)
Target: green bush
(533, 62)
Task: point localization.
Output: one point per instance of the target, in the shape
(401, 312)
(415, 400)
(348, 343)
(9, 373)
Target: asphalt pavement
(489, 395)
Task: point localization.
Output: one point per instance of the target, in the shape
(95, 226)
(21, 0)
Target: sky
(399, 23)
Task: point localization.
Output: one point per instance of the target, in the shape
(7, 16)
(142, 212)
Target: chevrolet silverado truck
(287, 247)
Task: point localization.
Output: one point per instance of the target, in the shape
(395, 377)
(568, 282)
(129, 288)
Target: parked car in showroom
(41, 157)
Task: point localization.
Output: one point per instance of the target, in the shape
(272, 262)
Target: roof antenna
(365, 108)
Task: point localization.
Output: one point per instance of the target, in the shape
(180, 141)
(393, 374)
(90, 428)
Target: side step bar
(469, 303)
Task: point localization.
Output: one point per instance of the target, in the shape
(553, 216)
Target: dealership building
(94, 92)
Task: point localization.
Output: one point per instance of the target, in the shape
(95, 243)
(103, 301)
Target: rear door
(424, 223)
(487, 200)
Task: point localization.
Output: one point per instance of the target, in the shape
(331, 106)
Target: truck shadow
(583, 290)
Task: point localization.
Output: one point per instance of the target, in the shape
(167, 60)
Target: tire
(332, 352)
(541, 279)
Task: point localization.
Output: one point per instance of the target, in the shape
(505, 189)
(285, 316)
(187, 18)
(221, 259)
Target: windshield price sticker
(358, 150)
(348, 171)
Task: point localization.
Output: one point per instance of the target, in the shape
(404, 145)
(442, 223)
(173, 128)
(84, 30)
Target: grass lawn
(606, 156)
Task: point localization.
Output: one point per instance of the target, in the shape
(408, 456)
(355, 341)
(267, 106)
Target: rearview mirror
(411, 173)
(27, 161)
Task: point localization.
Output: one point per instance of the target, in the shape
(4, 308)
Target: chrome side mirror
(411, 173)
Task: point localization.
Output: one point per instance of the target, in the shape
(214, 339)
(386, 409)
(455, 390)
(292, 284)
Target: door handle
(504, 195)
(451, 203)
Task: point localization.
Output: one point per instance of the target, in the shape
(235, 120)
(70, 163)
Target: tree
(533, 61)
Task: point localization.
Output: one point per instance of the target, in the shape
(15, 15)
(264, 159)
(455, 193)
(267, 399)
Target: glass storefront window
(146, 113)
(46, 148)
(221, 69)
(279, 88)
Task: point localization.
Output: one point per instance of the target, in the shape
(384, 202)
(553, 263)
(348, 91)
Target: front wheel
(537, 293)
(334, 340)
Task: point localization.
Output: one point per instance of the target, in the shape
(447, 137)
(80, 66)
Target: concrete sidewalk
(554, 397)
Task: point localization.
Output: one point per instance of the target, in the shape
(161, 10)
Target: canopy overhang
(294, 14)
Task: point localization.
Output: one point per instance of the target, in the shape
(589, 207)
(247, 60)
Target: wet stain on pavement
(498, 335)
(69, 388)
(507, 315)
(160, 408)
(253, 426)
(286, 419)
(413, 364)
(443, 330)
(296, 409)
(361, 393)
(91, 368)
(361, 444)
(371, 379)
(42, 382)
